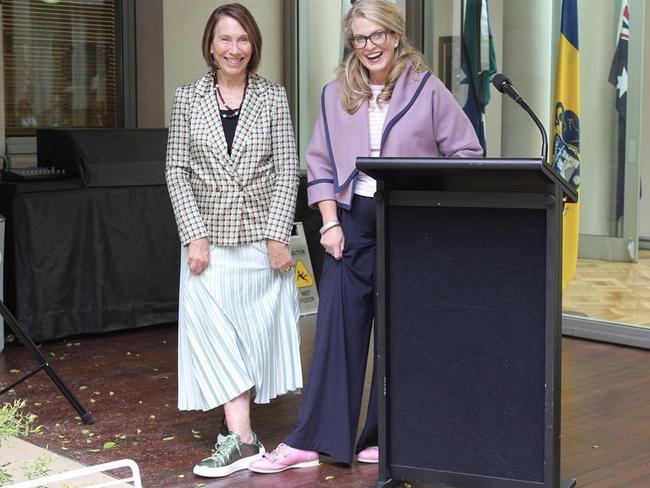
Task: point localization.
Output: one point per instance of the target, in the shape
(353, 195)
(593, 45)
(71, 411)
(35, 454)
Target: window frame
(125, 61)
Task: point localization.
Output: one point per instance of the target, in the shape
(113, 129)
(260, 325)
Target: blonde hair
(352, 76)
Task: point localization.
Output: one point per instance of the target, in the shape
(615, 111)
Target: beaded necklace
(229, 113)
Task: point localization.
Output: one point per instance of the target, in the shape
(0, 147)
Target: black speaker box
(106, 157)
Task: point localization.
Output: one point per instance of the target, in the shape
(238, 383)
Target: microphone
(504, 85)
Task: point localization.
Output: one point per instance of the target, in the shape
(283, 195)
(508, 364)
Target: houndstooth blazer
(244, 197)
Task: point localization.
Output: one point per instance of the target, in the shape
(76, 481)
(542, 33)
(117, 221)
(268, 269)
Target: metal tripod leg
(13, 324)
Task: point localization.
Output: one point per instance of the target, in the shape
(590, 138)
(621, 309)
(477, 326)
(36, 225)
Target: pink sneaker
(282, 458)
(369, 455)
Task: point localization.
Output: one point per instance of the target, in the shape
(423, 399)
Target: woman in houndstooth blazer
(232, 174)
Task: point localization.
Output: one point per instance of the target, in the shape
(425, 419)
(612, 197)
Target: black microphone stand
(541, 128)
(504, 85)
(43, 364)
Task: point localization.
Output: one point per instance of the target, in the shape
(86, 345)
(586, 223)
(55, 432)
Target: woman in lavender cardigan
(384, 102)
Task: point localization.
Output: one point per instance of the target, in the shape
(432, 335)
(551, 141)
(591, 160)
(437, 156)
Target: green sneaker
(231, 455)
(223, 432)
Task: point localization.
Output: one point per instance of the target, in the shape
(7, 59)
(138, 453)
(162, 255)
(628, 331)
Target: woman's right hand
(333, 241)
(198, 255)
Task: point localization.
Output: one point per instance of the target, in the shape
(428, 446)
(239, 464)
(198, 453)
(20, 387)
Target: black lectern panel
(466, 331)
(468, 321)
(106, 157)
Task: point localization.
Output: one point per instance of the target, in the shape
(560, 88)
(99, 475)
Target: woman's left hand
(279, 255)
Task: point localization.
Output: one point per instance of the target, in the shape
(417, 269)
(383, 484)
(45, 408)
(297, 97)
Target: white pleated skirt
(238, 328)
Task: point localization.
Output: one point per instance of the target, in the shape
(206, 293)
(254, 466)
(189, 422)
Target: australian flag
(618, 78)
(477, 64)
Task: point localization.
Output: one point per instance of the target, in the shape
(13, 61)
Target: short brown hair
(242, 15)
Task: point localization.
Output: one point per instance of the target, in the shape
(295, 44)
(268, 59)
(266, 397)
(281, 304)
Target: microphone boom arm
(504, 85)
(541, 128)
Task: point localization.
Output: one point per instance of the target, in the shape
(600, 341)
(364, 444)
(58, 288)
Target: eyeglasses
(377, 38)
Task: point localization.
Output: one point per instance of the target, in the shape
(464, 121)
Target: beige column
(527, 53)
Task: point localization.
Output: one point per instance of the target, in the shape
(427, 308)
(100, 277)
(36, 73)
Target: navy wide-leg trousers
(329, 413)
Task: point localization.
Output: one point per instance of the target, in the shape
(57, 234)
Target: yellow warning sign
(303, 272)
(303, 278)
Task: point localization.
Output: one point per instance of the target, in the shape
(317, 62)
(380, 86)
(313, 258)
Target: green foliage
(14, 422)
(40, 466)
(5, 477)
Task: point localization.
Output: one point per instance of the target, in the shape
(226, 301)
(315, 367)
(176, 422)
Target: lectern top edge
(376, 167)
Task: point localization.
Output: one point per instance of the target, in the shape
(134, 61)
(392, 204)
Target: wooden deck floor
(612, 291)
(128, 381)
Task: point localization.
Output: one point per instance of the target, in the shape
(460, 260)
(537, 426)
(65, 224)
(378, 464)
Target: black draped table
(88, 259)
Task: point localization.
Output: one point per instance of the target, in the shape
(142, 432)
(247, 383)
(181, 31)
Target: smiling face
(231, 47)
(379, 60)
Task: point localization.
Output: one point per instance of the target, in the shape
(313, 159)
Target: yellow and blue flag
(566, 130)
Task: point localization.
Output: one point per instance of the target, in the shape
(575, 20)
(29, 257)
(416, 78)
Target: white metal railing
(133, 480)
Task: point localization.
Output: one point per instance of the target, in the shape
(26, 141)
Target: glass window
(609, 288)
(60, 67)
